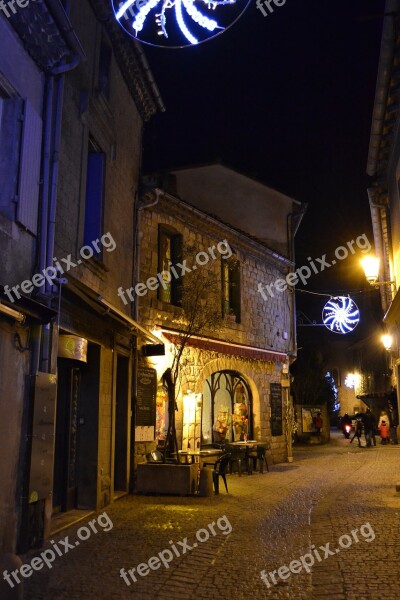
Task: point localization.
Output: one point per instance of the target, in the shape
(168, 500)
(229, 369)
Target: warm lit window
(169, 254)
(231, 288)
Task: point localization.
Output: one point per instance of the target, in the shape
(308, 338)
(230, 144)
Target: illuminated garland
(341, 315)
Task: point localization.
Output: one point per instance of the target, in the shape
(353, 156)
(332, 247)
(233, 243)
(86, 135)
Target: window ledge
(96, 266)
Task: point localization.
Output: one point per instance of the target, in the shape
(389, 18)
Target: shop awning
(232, 349)
(28, 307)
(105, 308)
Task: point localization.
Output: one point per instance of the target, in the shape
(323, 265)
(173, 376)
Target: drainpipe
(51, 137)
(293, 223)
(53, 126)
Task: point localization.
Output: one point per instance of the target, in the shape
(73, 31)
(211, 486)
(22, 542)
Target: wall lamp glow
(370, 264)
(387, 341)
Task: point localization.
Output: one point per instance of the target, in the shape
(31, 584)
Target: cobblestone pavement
(277, 517)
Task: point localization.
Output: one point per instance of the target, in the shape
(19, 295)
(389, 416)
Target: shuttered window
(95, 184)
(231, 295)
(169, 254)
(29, 171)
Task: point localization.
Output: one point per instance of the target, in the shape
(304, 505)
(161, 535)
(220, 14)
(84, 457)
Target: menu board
(146, 397)
(276, 409)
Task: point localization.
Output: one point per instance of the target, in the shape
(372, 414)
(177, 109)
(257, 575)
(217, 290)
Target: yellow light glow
(387, 341)
(352, 380)
(370, 264)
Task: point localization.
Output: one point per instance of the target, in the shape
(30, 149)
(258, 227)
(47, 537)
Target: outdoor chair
(220, 469)
(239, 456)
(259, 455)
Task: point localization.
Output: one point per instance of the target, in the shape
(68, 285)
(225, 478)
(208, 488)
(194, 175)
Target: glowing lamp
(370, 264)
(387, 341)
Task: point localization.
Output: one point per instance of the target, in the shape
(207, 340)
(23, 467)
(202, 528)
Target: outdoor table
(189, 456)
(248, 445)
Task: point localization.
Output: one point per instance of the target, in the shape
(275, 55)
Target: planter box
(176, 480)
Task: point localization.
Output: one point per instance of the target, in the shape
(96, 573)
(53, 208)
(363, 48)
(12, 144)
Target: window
(95, 184)
(231, 288)
(20, 159)
(169, 254)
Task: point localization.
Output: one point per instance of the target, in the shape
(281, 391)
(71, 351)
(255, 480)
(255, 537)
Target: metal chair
(220, 469)
(239, 456)
(259, 455)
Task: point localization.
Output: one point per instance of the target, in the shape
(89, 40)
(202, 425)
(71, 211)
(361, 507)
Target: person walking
(385, 432)
(358, 432)
(393, 416)
(369, 427)
(318, 423)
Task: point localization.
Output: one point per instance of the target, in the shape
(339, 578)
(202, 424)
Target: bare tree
(201, 315)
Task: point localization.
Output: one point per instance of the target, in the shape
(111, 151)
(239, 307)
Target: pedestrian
(318, 423)
(385, 432)
(357, 432)
(393, 416)
(383, 417)
(369, 423)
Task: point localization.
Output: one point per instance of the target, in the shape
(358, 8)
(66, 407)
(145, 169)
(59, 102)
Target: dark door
(66, 442)
(121, 425)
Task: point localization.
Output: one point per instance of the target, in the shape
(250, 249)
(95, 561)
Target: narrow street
(328, 492)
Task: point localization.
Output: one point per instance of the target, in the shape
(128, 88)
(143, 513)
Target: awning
(28, 307)
(105, 308)
(214, 345)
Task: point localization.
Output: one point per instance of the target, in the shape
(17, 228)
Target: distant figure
(393, 416)
(318, 423)
(385, 432)
(369, 423)
(357, 432)
(384, 417)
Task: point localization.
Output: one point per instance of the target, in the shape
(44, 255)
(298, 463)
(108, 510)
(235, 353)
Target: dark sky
(288, 99)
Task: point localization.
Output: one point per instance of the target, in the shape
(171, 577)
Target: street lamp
(370, 264)
(387, 341)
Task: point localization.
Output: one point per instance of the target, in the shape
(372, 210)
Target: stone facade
(265, 324)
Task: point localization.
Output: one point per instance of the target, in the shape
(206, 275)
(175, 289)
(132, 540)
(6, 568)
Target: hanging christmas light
(341, 314)
(176, 23)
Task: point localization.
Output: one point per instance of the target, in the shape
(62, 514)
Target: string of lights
(336, 293)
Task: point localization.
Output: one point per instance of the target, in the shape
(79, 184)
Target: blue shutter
(29, 174)
(94, 196)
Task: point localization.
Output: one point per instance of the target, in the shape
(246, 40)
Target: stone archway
(239, 366)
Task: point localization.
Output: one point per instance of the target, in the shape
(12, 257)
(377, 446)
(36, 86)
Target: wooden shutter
(29, 174)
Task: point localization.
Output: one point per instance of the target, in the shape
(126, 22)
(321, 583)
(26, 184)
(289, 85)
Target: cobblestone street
(276, 517)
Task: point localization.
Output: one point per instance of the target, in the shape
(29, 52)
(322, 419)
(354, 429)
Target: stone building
(74, 94)
(237, 234)
(384, 199)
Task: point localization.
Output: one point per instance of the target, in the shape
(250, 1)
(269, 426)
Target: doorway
(121, 425)
(65, 486)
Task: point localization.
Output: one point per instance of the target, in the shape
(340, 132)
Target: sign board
(146, 397)
(41, 474)
(276, 409)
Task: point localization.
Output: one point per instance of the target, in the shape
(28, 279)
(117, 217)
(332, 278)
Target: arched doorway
(227, 408)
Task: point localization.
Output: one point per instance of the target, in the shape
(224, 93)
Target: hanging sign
(177, 23)
(341, 315)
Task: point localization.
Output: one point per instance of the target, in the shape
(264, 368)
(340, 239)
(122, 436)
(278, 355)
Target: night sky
(287, 99)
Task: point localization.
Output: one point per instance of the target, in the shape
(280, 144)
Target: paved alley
(275, 518)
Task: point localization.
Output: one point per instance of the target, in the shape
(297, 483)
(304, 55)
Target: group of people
(366, 422)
